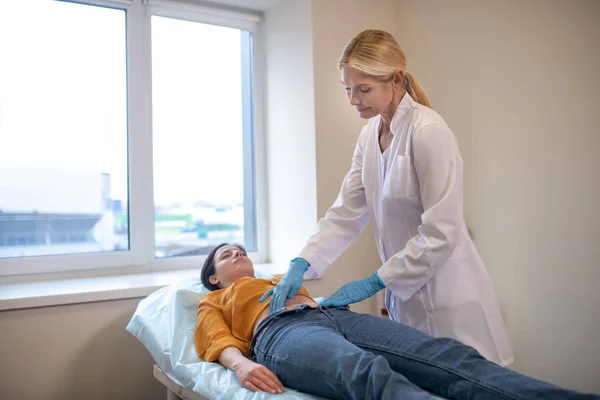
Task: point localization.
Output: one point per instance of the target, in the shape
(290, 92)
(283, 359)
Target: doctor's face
(231, 263)
(367, 94)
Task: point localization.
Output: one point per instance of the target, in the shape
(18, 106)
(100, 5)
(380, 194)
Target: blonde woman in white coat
(407, 176)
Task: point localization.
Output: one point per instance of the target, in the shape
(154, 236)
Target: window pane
(63, 129)
(197, 136)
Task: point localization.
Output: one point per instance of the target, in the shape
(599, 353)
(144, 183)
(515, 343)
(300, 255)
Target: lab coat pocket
(453, 284)
(402, 180)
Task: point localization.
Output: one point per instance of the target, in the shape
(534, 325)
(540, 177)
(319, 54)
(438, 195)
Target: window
(198, 119)
(92, 173)
(63, 129)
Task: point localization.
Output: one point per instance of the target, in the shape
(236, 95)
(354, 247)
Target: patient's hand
(257, 377)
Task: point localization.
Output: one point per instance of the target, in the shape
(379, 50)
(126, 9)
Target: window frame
(140, 258)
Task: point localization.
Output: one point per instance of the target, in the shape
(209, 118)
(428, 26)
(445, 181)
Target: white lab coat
(435, 279)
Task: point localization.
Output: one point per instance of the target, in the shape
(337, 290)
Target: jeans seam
(282, 362)
(330, 317)
(434, 364)
(327, 312)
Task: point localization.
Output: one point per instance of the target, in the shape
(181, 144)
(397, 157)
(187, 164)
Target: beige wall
(337, 126)
(518, 82)
(80, 351)
(290, 123)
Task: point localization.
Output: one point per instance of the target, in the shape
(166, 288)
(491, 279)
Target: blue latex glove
(288, 286)
(354, 291)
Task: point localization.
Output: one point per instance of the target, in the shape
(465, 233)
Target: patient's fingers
(257, 377)
(270, 379)
(261, 385)
(250, 386)
(255, 384)
(266, 382)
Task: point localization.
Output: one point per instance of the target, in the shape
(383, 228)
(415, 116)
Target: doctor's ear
(398, 79)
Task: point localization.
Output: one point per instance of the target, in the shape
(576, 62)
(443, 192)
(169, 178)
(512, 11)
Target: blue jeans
(339, 354)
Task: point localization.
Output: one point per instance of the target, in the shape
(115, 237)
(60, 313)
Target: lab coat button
(431, 240)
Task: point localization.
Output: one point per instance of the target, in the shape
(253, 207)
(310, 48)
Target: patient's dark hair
(208, 268)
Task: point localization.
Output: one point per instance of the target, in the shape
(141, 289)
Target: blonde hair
(376, 53)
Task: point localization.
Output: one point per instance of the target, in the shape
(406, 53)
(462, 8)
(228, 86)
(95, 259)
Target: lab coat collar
(405, 105)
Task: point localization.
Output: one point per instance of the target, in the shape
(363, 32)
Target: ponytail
(412, 86)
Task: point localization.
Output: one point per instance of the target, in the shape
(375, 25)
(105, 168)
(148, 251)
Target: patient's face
(231, 263)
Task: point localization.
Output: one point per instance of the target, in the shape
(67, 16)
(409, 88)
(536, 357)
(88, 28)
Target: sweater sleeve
(212, 334)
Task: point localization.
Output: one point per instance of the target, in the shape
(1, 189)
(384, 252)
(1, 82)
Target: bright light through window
(198, 136)
(63, 129)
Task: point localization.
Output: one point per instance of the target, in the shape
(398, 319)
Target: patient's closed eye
(228, 254)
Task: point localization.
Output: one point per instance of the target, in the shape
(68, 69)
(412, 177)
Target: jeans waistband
(269, 320)
(272, 318)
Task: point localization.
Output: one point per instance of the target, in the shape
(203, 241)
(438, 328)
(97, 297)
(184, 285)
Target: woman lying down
(337, 353)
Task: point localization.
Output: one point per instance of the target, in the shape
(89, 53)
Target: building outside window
(127, 134)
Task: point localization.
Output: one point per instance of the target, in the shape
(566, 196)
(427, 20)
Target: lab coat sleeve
(345, 219)
(438, 166)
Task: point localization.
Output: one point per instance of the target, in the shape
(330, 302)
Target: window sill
(15, 296)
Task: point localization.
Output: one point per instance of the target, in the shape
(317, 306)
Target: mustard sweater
(226, 317)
